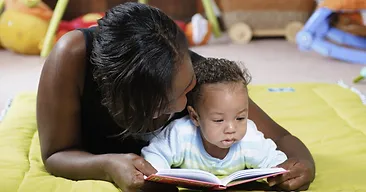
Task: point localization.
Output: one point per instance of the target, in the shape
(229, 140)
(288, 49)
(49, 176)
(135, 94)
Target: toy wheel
(291, 30)
(240, 33)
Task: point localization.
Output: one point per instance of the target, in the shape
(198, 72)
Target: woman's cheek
(180, 105)
(183, 103)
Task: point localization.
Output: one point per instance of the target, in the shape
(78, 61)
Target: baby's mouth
(228, 141)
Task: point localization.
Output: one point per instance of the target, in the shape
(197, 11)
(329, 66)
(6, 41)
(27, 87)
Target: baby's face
(223, 113)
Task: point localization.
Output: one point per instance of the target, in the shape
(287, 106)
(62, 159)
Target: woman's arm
(58, 112)
(58, 118)
(301, 163)
(285, 142)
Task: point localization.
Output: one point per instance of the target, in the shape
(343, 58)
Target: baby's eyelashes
(221, 120)
(218, 120)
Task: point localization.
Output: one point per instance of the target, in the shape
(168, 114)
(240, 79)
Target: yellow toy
(23, 25)
(1, 9)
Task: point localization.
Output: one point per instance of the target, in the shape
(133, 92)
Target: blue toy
(318, 35)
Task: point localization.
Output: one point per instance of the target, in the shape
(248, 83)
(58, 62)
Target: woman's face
(183, 82)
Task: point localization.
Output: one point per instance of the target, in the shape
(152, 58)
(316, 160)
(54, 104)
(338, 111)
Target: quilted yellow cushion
(331, 120)
(21, 167)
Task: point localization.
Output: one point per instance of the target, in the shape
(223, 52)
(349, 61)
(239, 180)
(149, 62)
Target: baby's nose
(230, 129)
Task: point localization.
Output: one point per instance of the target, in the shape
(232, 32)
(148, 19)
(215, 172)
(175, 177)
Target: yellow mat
(331, 120)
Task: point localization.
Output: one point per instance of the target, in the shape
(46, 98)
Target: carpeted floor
(268, 60)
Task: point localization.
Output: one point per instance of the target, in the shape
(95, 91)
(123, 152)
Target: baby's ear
(193, 115)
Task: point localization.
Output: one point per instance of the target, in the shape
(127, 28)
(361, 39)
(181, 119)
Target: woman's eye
(218, 120)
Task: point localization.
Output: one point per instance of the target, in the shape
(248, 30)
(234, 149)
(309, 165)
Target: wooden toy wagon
(265, 18)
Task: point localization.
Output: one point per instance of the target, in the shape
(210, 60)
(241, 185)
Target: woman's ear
(193, 115)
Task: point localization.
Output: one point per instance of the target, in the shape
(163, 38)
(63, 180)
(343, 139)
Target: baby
(217, 136)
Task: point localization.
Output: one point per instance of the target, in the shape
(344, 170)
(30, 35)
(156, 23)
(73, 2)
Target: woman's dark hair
(214, 70)
(136, 52)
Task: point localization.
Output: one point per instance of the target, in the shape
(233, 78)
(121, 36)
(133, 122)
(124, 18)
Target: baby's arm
(260, 152)
(164, 149)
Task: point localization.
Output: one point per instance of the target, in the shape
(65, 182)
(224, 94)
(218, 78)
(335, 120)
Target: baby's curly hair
(215, 70)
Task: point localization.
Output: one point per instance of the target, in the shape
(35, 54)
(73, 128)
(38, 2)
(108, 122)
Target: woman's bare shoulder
(66, 62)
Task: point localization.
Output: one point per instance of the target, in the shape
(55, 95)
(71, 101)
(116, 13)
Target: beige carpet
(269, 61)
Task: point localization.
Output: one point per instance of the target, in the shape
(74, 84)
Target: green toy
(2, 3)
(361, 76)
(55, 20)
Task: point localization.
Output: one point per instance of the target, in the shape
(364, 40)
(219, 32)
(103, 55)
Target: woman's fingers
(298, 176)
(142, 165)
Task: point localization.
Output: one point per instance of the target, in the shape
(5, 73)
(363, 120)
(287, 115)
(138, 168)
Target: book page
(250, 173)
(192, 174)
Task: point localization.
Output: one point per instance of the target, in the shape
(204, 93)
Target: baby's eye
(241, 118)
(218, 120)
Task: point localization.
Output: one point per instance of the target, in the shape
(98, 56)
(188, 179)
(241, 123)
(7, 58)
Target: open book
(198, 178)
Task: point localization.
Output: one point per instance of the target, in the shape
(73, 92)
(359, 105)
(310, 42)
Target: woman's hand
(301, 174)
(127, 171)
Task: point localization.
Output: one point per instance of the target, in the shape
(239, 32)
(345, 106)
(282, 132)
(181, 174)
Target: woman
(103, 92)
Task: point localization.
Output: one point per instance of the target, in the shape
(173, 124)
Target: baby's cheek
(210, 135)
(243, 131)
(212, 131)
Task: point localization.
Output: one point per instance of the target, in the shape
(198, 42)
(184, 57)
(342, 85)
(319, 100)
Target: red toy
(85, 21)
(182, 25)
(91, 19)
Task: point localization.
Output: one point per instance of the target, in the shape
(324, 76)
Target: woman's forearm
(77, 165)
(294, 148)
(284, 140)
